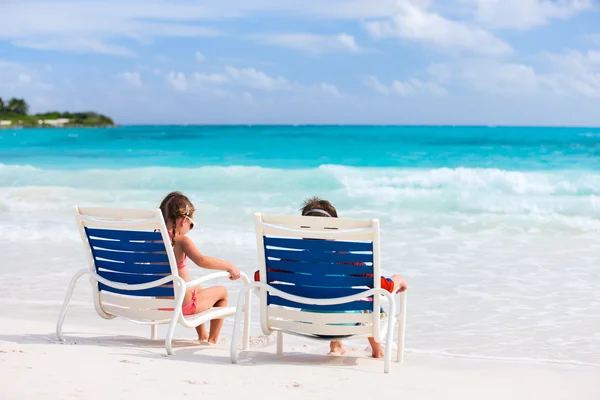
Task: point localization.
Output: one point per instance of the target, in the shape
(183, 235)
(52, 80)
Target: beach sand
(117, 360)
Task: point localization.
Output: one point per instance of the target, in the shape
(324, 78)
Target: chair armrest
(216, 275)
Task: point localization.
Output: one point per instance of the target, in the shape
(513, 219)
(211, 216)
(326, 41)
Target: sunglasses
(192, 223)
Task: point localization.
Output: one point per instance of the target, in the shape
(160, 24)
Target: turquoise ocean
(497, 229)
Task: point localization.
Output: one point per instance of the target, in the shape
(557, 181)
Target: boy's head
(316, 207)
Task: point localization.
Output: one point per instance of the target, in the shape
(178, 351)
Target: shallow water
(495, 228)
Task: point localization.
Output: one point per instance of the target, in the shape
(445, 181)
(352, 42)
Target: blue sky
(499, 62)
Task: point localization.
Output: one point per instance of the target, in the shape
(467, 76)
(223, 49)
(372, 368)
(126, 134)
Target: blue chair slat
(161, 291)
(319, 268)
(317, 256)
(317, 293)
(353, 306)
(319, 281)
(130, 279)
(139, 247)
(317, 245)
(130, 257)
(132, 268)
(123, 235)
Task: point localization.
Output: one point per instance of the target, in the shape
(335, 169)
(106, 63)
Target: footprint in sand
(191, 382)
(128, 362)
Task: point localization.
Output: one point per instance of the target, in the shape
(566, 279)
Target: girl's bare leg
(215, 296)
(202, 332)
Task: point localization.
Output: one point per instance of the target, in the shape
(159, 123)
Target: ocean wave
(379, 191)
(239, 178)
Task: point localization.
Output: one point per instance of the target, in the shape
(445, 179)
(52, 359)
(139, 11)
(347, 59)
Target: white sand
(115, 360)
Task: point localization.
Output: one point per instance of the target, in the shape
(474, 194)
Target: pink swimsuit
(188, 308)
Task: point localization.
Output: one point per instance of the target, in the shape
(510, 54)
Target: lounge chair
(323, 289)
(133, 273)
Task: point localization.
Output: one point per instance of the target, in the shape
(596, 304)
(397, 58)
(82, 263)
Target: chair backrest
(128, 248)
(318, 258)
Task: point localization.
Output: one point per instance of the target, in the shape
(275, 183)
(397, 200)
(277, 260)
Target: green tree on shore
(14, 107)
(17, 110)
(18, 106)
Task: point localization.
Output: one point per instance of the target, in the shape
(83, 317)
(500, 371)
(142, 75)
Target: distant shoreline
(302, 125)
(14, 127)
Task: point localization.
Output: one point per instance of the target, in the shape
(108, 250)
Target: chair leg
(236, 325)
(169, 337)
(387, 358)
(65, 306)
(247, 306)
(401, 329)
(279, 342)
(153, 332)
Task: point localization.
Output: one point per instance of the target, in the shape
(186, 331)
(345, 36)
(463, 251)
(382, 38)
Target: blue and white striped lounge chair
(322, 289)
(133, 273)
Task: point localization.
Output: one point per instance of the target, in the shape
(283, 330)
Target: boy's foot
(377, 350)
(378, 353)
(337, 348)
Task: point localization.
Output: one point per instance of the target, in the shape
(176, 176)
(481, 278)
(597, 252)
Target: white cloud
(525, 14)
(594, 37)
(256, 79)
(19, 79)
(571, 73)
(419, 25)
(94, 26)
(405, 88)
(98, 25)
(132, 78)
(74, 45)
(311, 43)
(25, 78)
(214, 78)
(497, 77)
(329, 89)
(244, 79)
(440, 72)
(177, 80)
(200, 57)
(575, 72)
(248, 98)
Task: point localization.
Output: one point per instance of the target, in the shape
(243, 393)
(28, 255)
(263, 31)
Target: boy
(316, 207)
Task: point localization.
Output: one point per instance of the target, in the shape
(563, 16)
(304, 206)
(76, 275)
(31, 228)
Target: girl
(178, 212)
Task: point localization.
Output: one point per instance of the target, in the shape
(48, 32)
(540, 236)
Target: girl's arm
(207, 262)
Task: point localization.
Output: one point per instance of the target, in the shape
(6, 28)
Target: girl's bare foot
(337, 348)
(202, 333)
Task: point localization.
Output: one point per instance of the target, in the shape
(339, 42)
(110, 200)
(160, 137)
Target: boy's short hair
(316, 203)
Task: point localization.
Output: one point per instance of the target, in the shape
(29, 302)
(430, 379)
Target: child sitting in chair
(316, 207)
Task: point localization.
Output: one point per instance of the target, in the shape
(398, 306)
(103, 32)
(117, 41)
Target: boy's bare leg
(376, 347)
(337, 347)
(400, 284)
